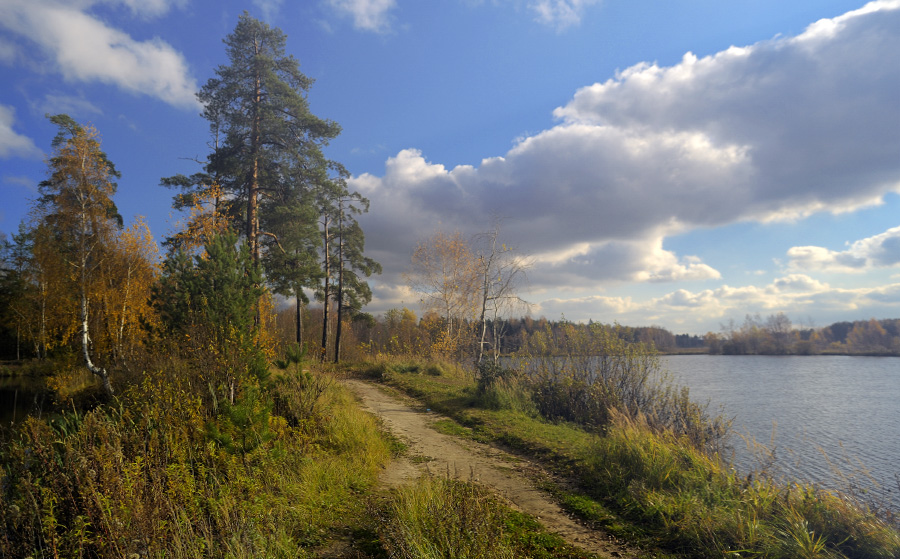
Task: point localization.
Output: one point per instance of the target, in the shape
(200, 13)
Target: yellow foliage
(205, 221)
(267, 333)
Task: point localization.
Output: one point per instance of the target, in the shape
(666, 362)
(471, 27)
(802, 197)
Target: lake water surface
(19, 397)
(847, 408)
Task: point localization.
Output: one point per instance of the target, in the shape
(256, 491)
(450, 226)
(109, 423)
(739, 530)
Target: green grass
(143, 476)
(654, 488)
(442, 517)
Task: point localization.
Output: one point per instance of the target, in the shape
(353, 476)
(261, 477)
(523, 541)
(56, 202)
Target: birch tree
(444, 271)
(501, 273)
(76, 203)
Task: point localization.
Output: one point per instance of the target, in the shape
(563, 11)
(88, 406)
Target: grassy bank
(157, 473)
(170, 469)
(651, 485)
(288, 469)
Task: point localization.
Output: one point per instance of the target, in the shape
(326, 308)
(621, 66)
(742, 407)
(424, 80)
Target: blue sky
(679, 164)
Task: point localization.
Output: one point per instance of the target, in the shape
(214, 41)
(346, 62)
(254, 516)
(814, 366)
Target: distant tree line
(402, 332)
(775, 335)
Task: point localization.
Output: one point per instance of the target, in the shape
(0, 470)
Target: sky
(678, 164)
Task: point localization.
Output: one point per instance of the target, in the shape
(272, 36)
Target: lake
(845, 408)
(20, 396)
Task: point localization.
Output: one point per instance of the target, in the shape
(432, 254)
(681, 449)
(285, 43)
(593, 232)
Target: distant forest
(775, 335)
(402, 332)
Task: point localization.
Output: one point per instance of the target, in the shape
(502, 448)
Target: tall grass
(441, 517)
(587, 371)
(658, 484)
(703, 508)
(153, 474)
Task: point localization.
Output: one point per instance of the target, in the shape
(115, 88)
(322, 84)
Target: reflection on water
(833, 416)
(19, 397)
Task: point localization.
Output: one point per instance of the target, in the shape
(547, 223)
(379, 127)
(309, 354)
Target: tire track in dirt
(440, 454)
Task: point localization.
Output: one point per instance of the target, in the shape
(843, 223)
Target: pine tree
(258, 104)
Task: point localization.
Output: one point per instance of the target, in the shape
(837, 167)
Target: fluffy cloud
(815, 114)
(147, 8)
(86, 49)
(368, 15)
(879, 251)
(776, 130)
(13, 144)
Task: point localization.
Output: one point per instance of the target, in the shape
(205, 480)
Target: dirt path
(433, 451)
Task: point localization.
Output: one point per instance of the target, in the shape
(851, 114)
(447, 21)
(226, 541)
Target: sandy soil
(440, 454)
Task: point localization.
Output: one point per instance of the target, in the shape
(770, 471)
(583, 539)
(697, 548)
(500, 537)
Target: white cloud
(773, 131)
(86, 49)
(816, 113)
(879, 251)
(798, 283)
(269, 8)
(146, 8)
(13, 144)
(368, 15)
(560, 13)
(800, 297)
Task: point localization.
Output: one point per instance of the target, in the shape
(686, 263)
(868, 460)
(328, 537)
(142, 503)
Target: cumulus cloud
(799, 296)
(772, 131)
(816, 114)
(879, 251)
(593, 264)
(367, 15)
(86, 49)
(13, 144)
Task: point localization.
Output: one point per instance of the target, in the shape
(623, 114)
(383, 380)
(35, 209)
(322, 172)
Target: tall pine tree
(258, 104)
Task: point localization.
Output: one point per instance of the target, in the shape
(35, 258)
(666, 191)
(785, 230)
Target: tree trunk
(85, 347)
(340, 287)
(121, 333)
(253, 187)
(325, 291)
(299, 333)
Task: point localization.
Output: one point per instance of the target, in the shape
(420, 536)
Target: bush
(488, 372)
(590, 371)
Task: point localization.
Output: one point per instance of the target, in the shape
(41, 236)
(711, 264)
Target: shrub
(591, 370)
(488, 372)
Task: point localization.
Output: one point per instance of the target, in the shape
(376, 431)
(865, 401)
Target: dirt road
(439, 453)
